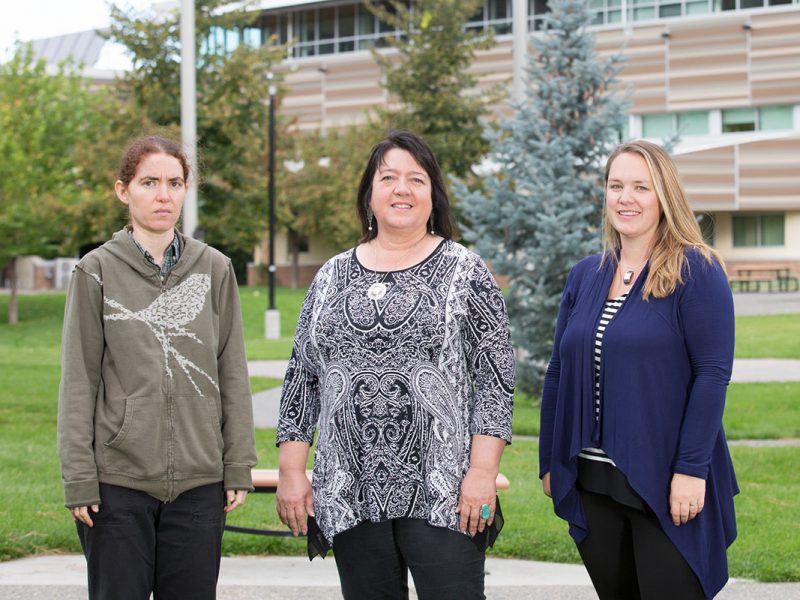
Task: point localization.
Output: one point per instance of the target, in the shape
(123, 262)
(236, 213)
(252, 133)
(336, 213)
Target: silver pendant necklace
(627, 276)
(378, 290)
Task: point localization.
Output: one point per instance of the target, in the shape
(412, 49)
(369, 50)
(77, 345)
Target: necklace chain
(627, 276)
(378, 289)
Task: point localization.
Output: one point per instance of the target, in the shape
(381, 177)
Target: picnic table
(756, 273)
(265, 481)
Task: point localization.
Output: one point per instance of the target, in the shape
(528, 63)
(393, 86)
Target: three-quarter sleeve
(490, 356)
(300, 397)
(82, 344)
(707, 321)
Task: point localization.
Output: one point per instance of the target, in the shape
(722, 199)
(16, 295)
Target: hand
(81, 513)
(686, 498)
(294, 500)
(234, 498)
(479, 487)
(546, 484)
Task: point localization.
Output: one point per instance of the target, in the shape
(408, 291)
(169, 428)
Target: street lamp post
(272, 318)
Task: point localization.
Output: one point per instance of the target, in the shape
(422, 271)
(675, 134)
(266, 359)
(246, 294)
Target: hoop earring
(370, 216)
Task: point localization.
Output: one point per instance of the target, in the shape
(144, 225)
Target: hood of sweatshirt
(124, 248)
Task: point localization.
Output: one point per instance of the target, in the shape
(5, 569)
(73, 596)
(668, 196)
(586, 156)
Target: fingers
(294, 517)
(234, 499)
(81, 513)
(471, 520)
(683, 511)
(546, 484)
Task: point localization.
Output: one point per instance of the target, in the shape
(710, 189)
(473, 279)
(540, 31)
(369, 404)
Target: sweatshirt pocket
(198, 437)
(138, 448)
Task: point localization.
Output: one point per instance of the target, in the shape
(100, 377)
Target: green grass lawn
(770, 336)
(752, 411)
(33, 520)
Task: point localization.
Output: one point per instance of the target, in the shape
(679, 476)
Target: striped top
(610, 308)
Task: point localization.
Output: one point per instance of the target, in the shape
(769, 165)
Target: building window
(775, 118)
(766, 118)
(758, 230)
(667, 124)
(739, 119)
(692, 122)
(495, 14)
(297, 243)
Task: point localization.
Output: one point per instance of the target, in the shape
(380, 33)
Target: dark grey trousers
(140, 545)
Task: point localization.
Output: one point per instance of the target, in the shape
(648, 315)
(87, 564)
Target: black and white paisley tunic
(397, 386)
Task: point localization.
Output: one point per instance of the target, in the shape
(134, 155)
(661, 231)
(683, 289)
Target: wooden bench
(265, 481)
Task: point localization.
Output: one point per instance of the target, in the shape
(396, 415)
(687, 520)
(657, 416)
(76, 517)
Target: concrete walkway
(294, 578)
(265, 404)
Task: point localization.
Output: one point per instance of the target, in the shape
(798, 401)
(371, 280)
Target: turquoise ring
(486, 512)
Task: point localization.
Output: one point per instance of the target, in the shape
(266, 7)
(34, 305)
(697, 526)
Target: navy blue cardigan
(665, 367)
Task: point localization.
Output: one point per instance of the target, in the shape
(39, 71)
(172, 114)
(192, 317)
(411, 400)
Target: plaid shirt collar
(171, 254)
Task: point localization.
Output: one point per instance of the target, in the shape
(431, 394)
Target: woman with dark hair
(155, 424)
(403, 360)
(632, 449)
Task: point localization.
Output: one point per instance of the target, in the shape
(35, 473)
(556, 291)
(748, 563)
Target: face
(632, 206)
(401, 193)
(155, 195)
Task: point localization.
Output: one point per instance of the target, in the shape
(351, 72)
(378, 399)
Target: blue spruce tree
(540, 211)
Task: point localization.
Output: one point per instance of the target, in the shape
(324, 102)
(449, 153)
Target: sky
(34, 19)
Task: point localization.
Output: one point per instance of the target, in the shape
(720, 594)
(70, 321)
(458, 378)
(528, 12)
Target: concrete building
(723, 73)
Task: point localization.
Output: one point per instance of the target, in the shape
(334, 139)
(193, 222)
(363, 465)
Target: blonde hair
(677, 228)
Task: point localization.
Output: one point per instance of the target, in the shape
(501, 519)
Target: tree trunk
(13, 312)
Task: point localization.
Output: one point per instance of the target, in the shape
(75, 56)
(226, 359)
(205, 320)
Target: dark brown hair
(422, 153)
(142, 147)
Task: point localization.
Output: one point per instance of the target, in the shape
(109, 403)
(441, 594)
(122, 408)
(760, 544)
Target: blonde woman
(632, 448)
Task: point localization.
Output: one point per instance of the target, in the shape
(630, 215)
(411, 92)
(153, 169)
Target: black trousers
(140, 545)
(629, 557)
(373, 560)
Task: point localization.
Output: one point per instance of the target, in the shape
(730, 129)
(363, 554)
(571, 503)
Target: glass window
(745, 231)
(775, 118)
(725, 4)
(641, 14)
(346, 17)
(669, 10)
(657, 126)
(327, 23)
(738, 119)
(304, 25)
(366, 22)
(758, 230)
(498, 9)
(751, 3)
(693, 123)
(251, 37)
(771, 230)
(776, 2)
(697, 8)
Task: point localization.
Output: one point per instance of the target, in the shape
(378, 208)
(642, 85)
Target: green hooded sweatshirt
(154, 391)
